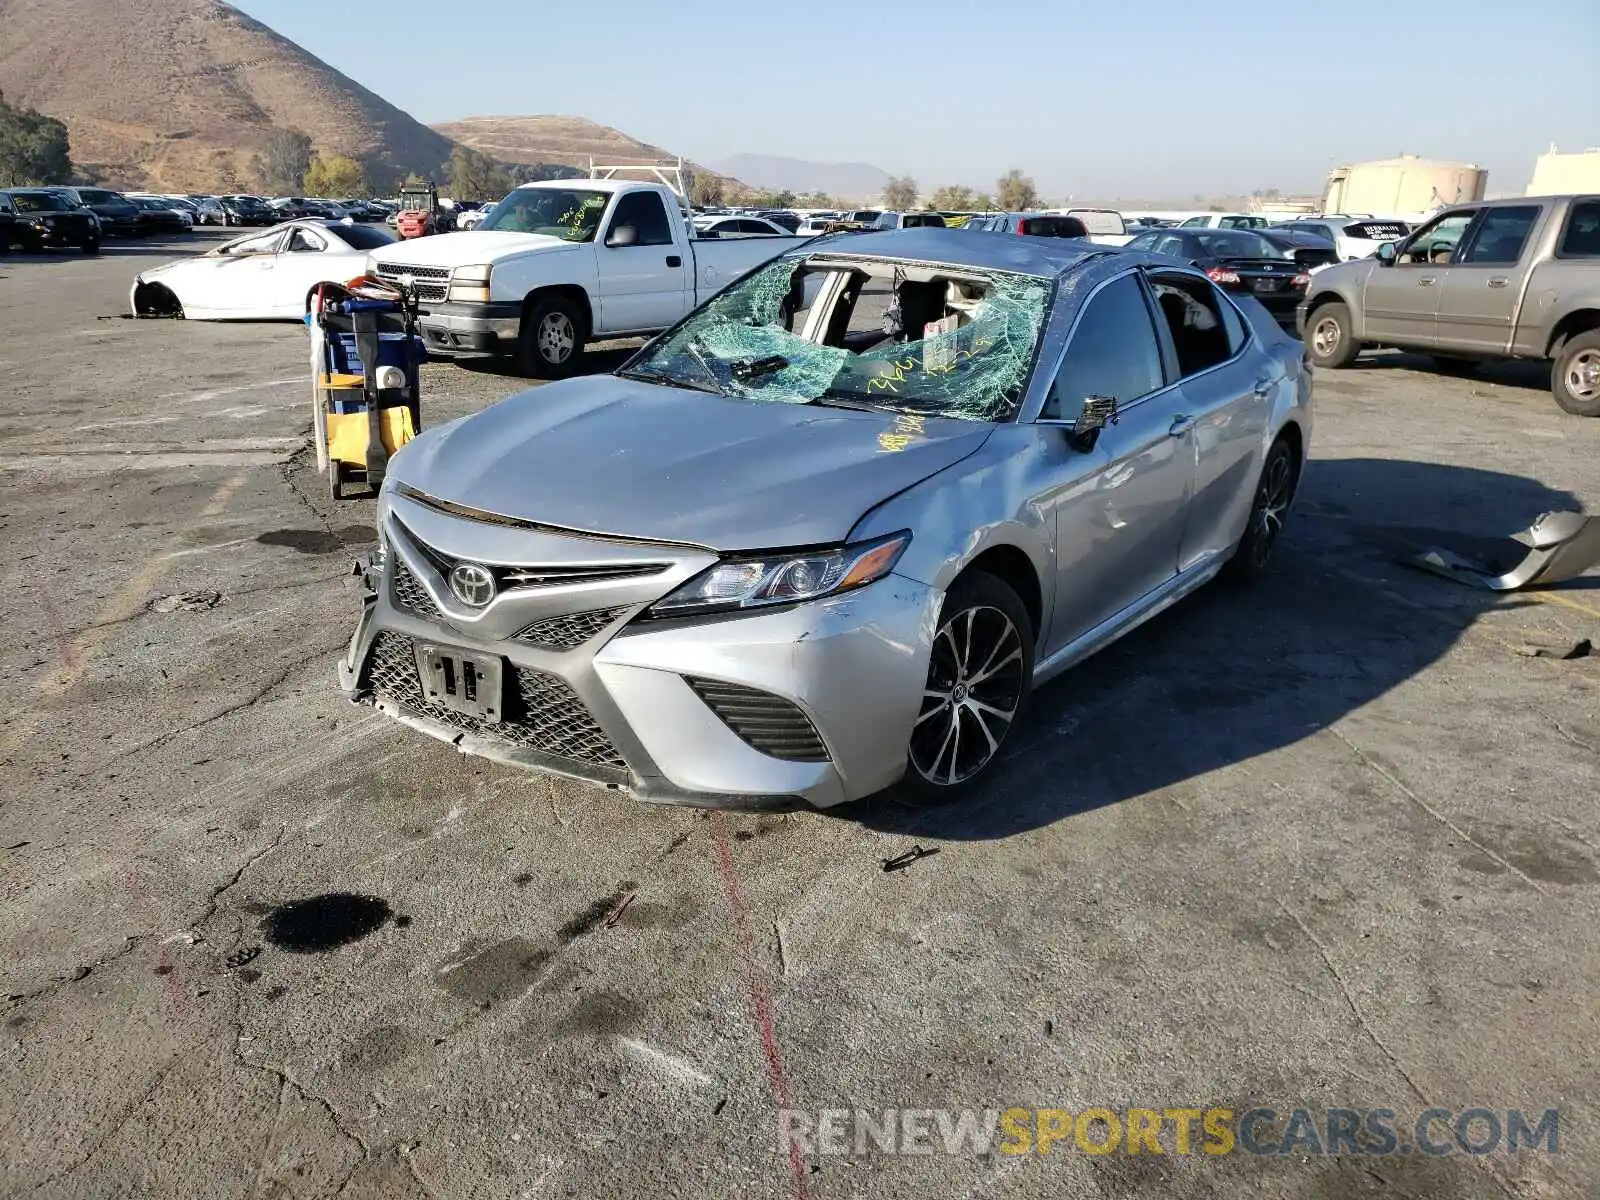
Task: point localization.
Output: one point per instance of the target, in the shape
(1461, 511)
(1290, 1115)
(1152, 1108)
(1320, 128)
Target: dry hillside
(179, 94)
(570, 140)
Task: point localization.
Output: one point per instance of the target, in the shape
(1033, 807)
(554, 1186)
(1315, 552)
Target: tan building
(1557, 174)
(1407, 184)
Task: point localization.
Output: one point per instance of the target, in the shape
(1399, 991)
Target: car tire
(90, 247)
(1575, 375)
(1269, 508)
(969, 711)
(1328, 340)
(550, 339)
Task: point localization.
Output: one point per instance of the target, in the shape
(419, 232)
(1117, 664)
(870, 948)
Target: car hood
(613, 456)
(478, 246)
(1353, 274)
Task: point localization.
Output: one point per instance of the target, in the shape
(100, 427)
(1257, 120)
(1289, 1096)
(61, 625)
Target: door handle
(1180, 425)
(1427, 281)
(674, 261)
(1499, 281)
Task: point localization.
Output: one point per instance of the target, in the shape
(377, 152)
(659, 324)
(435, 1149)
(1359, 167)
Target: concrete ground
(1328, 841)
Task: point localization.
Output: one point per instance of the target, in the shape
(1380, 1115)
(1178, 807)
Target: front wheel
(980, 672)
(1328, 340)
(1575, 375)
(1268, 511)
(550, 340)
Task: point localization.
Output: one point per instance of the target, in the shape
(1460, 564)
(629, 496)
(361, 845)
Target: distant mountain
(572, 141)
(848, 181)
(180, 95)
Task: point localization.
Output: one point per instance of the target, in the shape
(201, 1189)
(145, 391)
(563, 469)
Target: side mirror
(1098, 412)
(1387, 253)
(622, 235)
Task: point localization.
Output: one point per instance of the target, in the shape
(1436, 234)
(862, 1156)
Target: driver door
(301, 265)
(644, 283)
(1402, 300)
(234, 283)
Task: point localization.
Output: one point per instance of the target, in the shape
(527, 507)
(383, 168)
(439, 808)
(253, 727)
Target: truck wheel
(1328, 340)
(550, 339)
(1575, 377)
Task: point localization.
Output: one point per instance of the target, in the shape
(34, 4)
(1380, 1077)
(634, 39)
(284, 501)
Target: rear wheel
(550, 339)
(1575, 375)
(980, 672)
(1328, 340)
(1268, 511)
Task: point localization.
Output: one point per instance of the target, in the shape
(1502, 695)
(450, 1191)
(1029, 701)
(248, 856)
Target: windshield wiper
(661, 379)
(835, 400)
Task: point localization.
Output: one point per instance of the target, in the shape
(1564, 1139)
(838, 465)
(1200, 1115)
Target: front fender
(513, 279)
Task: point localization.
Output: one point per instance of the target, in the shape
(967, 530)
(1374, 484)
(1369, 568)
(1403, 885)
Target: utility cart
(366, 359)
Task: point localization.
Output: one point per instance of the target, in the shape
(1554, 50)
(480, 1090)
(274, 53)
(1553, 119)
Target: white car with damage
(561, 263)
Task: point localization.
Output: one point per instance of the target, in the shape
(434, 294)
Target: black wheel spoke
(976, 676)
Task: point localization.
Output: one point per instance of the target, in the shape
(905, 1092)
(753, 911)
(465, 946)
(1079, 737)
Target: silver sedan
(825, 535)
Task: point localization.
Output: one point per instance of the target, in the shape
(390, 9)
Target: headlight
(737, 583)
(470, 285)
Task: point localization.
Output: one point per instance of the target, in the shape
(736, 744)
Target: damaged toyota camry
(826, 534)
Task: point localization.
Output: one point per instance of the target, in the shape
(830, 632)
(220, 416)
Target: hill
(852, 181)
(571, 141)
(180, 95)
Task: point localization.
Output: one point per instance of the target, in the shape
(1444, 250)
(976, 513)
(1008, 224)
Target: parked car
(294, 208)
(118, 216)
(1225, 221)
(158, 217)
(1105, 225)
(1496, 280)
(908, 220)
(236, 210)
(1236, 260)
(782, 218)
(737, 227)
(815, 225)
(842, 554)
(1311, 251)
(37, 219)
(1352, 237)
(471, 220)
(1030, 224)
(574, 260)
(261, 276)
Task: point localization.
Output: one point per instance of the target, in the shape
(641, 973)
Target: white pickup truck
(565, 262)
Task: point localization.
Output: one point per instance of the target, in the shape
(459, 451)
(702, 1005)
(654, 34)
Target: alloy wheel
(556, 337)
(1325, 337)
(976, 682)
(1272, 504)
(1583, 374)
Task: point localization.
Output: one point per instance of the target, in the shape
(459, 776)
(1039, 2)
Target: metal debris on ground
(901, 861)
(1561, 546)
(239, 957)
(1578, 649)
(196, 601)
(616, 913)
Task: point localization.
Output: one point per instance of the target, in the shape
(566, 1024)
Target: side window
(1196, 318)
(1195, 222)
(1233, 223)
(1113, 352)
(1436, 243)
(1501, 236)
(267, 243)
(303, 241)
(1581, 238)
(1172, 244)
(643, 211)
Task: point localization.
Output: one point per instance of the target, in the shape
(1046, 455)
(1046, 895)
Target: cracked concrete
(1179, 891)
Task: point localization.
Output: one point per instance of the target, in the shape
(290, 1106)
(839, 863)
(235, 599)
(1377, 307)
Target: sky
(1164, 98)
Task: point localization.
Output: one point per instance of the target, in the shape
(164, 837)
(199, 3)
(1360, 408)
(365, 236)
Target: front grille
(570, 631)
(431, 291)
(396, 270)
(409, 592)
(543, 575)
(544, 714)
(766, 722)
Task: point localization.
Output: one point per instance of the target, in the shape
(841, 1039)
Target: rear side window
(1197, 319)
(1581, 238)
(1059, 227)
(1501, 235)
(1113, 352)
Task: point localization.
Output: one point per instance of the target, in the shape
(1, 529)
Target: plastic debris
(1561, 546)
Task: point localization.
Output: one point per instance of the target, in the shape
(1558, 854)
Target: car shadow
(1238, 671)
(601, 360)
(1519, 373)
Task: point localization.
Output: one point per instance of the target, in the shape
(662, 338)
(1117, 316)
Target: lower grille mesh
(543, 713)
(766, 722)
(409, 592)
(570, 631)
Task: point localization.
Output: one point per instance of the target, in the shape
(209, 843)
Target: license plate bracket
(463, 681)
(1270, 284)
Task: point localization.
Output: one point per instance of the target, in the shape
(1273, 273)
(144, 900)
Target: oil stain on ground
(318, 924)
(590, 918)
(502, 972)
(317, 541)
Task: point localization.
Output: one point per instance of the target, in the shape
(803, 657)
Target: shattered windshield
(937, 341)
(569, 213)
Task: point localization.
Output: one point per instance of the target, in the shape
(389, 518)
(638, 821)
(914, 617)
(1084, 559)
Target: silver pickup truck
(1505, 279)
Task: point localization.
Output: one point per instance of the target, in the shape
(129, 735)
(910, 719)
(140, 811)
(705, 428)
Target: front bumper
(469, 330)
(618, 709)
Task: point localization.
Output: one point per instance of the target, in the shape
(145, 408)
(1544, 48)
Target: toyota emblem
(473, 585)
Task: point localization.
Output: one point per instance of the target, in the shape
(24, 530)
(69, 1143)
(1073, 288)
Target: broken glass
(969, 360)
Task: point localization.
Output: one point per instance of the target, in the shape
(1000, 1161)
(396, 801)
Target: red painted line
(760, 998)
